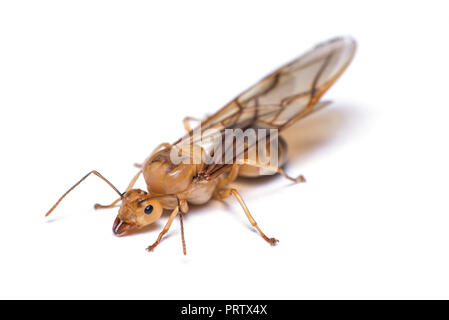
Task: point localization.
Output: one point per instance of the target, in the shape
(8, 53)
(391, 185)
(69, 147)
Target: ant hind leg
(226, 193)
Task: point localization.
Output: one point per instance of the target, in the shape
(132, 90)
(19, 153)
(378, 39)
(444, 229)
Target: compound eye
(148, 209)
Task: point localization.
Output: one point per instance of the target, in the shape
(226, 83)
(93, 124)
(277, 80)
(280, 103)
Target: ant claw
(150, 248)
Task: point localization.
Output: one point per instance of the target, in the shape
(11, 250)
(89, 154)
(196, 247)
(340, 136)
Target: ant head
(136, 212)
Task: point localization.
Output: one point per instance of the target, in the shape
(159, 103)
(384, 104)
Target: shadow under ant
(307, 137)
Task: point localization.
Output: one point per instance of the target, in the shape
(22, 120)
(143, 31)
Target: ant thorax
(164, 177)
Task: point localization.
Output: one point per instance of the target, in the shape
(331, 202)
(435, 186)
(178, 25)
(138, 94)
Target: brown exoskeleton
(178, 174)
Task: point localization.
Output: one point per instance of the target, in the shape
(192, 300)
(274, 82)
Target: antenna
(76, 184)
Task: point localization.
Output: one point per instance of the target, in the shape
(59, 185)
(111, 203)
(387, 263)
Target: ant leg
(130, 186)
(186, 123)
(233, 174)
(166, 228)
(164, 145)
(226, 193)
(251, 163)
(100, 206)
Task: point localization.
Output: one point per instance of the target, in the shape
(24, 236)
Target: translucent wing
(283, 97)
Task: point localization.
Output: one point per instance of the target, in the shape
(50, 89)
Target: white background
(98, 84)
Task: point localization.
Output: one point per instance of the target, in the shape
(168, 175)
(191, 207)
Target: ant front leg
(167, 226)
(226, 193)
(130, 186)
(165, 230)
(98, 206)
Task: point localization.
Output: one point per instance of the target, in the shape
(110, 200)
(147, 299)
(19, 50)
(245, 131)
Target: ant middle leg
(186, 122)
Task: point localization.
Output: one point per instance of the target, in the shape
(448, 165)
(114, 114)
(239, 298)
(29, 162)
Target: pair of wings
(280, 99)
